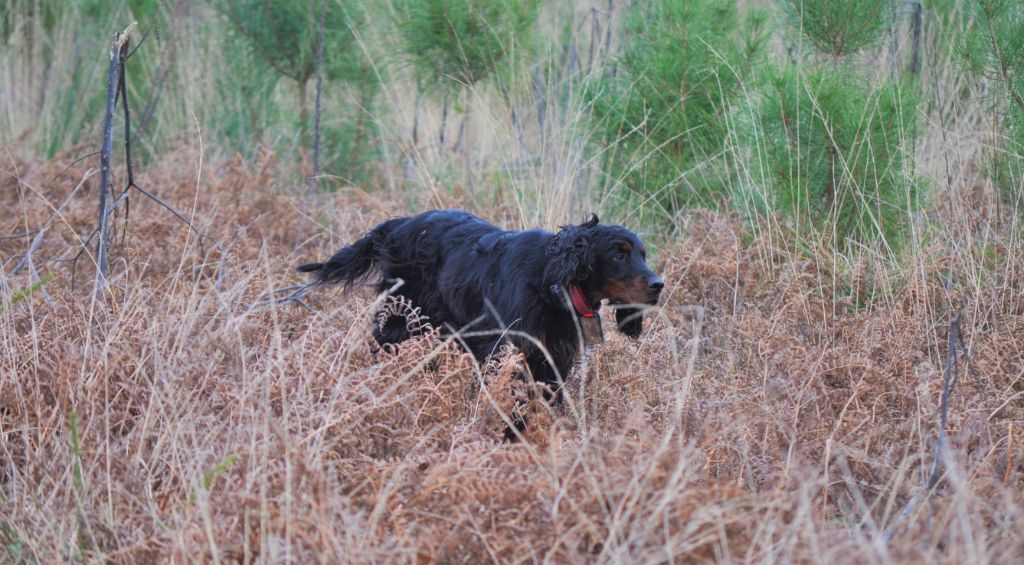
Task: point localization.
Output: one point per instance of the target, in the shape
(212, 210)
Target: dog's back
(410, 248)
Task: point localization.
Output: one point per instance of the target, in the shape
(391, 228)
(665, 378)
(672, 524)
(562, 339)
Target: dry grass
(782, 406)
(763, 416)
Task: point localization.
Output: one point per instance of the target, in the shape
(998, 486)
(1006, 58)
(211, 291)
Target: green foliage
(350, 140)
(833, 148)
(64, 42)
(76, 455)
(455, 43)
(48, 13)
(270, 40)
(245, 85)
(664, 109)
(833, 144)
(1008, 165)
(994, 47)
(994, 50)
(285, 35)
(211, 475)
(144, 10)
(841, 27)
(23, 293)
(220, 467)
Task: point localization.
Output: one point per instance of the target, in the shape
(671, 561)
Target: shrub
(994, 50)
(834, 143)
(662, 108)
(245, 84)
(841, 27)
(834, 151)
(274, 40)
(285, 36)
(350, 134)
(457, 43)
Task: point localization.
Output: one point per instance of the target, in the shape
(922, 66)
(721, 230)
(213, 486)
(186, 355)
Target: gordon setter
(494, 286)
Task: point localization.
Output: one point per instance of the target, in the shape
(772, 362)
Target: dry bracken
(768, 413)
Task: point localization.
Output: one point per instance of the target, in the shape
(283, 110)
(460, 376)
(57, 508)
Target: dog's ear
(630, 321)
(570, 255)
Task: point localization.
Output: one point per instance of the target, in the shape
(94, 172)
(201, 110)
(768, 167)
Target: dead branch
(38, 239)
(117, 53)
(20, 235)
(117, 90)
(296, 295)
(31, 249)
(947, 388)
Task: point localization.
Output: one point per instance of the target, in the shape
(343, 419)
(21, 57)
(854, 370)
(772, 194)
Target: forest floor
(768, 413)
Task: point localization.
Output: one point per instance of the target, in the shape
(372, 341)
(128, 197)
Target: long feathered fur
(494, 285)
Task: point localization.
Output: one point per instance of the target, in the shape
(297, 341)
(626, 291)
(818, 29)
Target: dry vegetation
(761, 417)
(783, 404)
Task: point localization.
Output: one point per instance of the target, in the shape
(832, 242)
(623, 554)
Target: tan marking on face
(630, 291)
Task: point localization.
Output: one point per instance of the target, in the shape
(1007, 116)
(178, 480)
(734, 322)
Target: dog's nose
(655, 284)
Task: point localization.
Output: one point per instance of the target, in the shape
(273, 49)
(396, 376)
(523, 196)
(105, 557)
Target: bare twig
(27, 259)
(947, 387)
(39, 280)
(130, 171)
(145, 34)
(444, 125)
(314, 179)
(296, 295)
(76, 161)
(595, 33)
(56, 213)
(20, 235)
(608, 31)
(462, 130)
(77, 256)
(123, 90)
(202, 236)
(164, 69)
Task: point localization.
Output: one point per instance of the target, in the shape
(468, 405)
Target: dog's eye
(620, 256)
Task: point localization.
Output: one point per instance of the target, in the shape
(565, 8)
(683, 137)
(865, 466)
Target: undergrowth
(784, 403)
(754, 420)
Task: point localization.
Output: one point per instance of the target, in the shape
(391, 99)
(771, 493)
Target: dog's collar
(579, 302)
(589, 323)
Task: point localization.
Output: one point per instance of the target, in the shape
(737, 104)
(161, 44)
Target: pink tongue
(580, 302)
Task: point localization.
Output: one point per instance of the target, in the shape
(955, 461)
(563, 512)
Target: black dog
(466, 274)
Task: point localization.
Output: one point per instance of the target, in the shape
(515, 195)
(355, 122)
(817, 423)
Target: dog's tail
(355, 262)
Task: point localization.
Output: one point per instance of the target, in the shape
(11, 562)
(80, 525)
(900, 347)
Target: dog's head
(606, 263)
